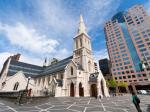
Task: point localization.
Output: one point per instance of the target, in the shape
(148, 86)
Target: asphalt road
(83, 104)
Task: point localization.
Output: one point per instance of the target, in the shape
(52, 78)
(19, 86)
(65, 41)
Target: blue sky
(46, 28)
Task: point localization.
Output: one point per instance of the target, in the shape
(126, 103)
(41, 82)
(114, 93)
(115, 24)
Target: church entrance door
(81, 90)
(72, 90)
(93, 90)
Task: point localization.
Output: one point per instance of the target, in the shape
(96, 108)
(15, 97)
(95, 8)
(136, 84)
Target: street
(83, 104)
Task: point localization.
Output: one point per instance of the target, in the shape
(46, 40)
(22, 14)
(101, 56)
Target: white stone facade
(78, 78)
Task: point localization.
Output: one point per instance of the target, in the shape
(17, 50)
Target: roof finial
(45, 62)
(81, 28)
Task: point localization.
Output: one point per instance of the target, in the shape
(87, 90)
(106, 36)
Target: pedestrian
(136, 102)
(29, 92)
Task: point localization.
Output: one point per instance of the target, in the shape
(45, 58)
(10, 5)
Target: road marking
(115, 103)
(125, 110)
(89, 101)
(74, 110)
(102, 105)
(12, 109)
(71, 105)
(85, 109)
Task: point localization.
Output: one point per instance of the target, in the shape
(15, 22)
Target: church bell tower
(82, 53)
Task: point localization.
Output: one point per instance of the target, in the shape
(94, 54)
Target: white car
(142, 92)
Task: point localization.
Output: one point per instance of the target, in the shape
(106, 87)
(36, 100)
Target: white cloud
(57, 17)
(100, 54)
(28, 38)
(98, 11)
(31, 60)
(63, 20)
(3, 57)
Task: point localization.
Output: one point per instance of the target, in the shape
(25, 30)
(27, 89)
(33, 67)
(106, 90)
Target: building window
(61, 76)
(16, 86)
(120, 77)
(129, 76)
(89, 66)
(71, 70)
(133, 76)
(77, 44)
(132, 71)
(80, 42)
(3, 84)
(126, 67)
(125, 63)
(142, 50)
(139, 46)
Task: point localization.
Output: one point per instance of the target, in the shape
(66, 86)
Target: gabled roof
(36, 71)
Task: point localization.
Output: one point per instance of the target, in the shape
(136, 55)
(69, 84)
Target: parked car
(148, 92)
(144, 92)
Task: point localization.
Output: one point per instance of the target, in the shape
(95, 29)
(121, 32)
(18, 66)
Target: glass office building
(128, 43)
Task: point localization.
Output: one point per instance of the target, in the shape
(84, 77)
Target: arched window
(3, 84)
(61, 76)
(16, 86)
(71, 70)
(80, 42)
(43, 80)
(76, 44)
(89, 66)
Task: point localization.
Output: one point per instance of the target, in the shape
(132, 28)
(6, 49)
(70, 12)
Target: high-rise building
(128, 43)
(105, 67)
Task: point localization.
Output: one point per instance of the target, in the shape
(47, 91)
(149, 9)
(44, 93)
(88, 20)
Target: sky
(45, 28)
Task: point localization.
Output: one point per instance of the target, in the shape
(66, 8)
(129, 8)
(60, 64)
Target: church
(73, 76)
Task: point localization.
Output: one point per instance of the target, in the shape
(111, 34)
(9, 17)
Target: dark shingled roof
(59, 66)
(37, 71)
(28, 69)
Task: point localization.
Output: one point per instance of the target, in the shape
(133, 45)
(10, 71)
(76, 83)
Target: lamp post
(28, 83)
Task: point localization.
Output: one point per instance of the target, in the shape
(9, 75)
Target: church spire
(81, 28)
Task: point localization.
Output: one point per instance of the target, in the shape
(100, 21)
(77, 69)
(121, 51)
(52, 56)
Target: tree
(112, 84)
(123, 85)
(117, 86)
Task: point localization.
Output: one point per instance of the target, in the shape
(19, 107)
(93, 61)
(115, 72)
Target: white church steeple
(82, 48)
(81, 28)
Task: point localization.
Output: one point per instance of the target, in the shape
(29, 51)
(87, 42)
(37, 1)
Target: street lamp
(28, 82)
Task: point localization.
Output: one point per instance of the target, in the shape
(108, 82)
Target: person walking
(136, 102)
